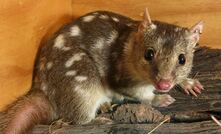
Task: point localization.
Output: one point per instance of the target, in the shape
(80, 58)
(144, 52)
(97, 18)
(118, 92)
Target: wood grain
(25, 23)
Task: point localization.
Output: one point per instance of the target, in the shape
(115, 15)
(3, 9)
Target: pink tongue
(163, 84)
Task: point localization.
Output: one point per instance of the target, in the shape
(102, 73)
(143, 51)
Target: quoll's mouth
(161, 90)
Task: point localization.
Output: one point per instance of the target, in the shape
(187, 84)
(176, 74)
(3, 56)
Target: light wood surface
(24, 24)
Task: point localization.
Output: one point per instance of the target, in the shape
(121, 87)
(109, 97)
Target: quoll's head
(165, 52)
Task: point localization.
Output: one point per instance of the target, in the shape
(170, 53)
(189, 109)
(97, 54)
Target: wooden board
(25, 23)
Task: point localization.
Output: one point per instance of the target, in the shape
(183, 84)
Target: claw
(186, 91)
(199, 86)
(192, 92)
(197, 89)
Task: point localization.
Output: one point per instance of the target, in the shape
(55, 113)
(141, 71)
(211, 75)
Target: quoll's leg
(85, 102)
(81, 101)
(191, 86)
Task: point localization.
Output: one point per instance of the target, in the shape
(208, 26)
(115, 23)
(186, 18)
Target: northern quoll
(101, 56)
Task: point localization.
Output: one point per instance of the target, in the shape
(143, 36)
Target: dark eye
(182, 59)
(149, 54)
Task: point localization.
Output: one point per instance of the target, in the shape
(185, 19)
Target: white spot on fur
(75, 31)
(112, 37)
(177, 29)
(76, 57)
(115, 19)
(88, 18)
(104, 17)
(49, 65)
(153, 26)
(99, 43)
(44, 86)
(59, 43)
(71, 73)
(129, 24)
(81, 78)
(66, 48)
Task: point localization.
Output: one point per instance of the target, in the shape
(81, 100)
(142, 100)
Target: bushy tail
(29, 110)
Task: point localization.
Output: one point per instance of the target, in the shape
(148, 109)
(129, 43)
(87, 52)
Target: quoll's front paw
(101, 120)
(192, 86)
(163, 100)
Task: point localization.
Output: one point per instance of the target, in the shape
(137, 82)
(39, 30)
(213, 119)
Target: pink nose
(164, 84)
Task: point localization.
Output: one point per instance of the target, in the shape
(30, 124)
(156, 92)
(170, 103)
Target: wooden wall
(25, 23)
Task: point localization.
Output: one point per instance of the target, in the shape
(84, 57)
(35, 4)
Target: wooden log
(205, 127)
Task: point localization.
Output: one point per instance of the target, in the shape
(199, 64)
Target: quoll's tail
(29, 110)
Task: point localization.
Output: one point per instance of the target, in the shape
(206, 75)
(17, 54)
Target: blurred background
(25, 24)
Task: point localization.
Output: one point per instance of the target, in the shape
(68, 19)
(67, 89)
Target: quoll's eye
(182, 59)
(149, 54)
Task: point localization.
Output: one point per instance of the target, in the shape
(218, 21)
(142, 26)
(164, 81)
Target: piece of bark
(135, 113)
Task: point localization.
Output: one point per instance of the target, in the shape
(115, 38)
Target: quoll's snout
(164, 85)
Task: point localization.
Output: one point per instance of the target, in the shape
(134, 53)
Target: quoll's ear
(146, 22)
(195, 32)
